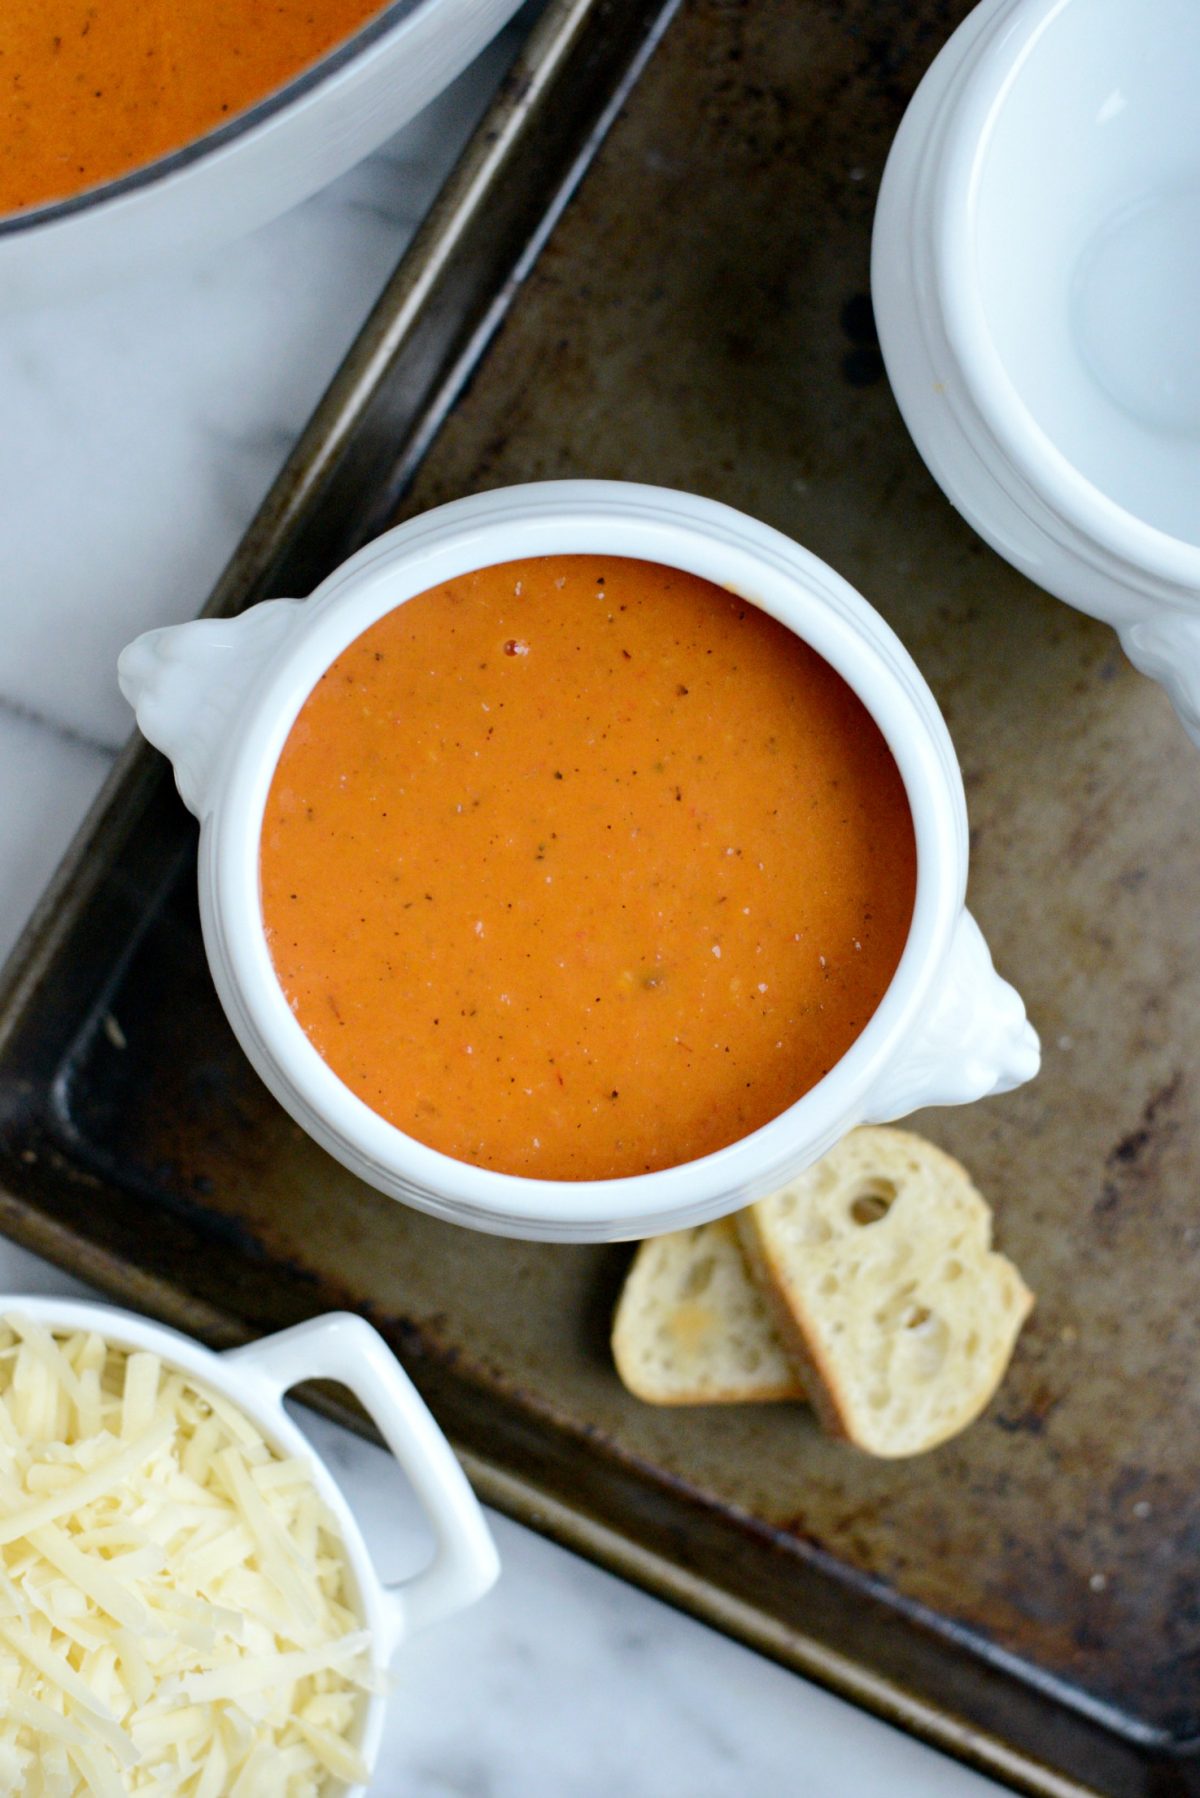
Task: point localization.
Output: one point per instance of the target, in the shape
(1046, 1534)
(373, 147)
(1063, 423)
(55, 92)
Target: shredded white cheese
(174, 1608)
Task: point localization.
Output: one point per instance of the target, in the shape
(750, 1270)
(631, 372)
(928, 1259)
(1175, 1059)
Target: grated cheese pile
(173, 1609)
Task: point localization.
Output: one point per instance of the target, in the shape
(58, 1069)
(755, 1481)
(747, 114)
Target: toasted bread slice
(887, 1291)
(691, 1328)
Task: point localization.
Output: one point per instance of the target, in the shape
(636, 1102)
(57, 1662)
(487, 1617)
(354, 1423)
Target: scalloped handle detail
(1166, 646)
(187, 683)
(975, 1040)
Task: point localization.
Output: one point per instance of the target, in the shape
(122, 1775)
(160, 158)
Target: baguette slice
(887, 1291)
(691, 1328)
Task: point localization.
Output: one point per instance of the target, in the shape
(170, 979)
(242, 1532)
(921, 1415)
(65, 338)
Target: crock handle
(975, 1039)
(345, 1348)
(1166, 646)
(187, 683)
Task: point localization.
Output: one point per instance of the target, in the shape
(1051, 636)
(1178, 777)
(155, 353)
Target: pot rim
(325, 73)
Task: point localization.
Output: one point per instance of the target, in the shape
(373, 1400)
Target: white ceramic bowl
(241, 174)
(1036, 278)
(220, 696)
(341, 1347)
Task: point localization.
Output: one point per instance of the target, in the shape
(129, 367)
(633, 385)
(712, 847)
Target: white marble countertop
(138, 432)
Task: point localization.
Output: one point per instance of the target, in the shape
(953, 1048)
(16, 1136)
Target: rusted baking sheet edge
(418, 348)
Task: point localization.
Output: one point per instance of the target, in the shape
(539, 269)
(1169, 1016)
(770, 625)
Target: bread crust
(813, 1373)
(934, 1225)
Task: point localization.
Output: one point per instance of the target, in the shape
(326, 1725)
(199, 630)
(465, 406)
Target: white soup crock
(219, 696)
(1036, 280)
(255, 1379)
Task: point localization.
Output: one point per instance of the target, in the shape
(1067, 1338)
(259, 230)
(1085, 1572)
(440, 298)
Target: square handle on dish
(345, 1348)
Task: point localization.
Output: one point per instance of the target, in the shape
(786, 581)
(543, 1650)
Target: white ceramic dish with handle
(243, 173)
(256, 1379)
(220, 696)
(1036, 280)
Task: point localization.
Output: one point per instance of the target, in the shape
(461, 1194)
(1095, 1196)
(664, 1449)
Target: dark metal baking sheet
(687, 302)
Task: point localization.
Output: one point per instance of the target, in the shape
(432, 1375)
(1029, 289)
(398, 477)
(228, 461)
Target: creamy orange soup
(91, 89)
(580, 867)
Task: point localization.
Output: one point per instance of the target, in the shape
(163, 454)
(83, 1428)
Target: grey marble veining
(138, 432)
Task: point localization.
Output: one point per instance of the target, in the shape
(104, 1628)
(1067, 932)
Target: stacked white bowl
(1036, 276)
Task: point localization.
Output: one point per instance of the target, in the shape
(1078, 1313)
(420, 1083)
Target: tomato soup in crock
(93, 89)
(580, 867)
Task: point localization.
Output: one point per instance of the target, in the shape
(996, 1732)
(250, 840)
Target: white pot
(220, 696)
(1036, 281)
(255, 1379)
(244, 173)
